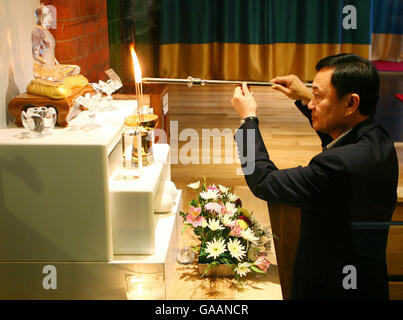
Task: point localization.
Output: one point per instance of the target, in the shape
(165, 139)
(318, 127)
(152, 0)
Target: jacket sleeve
(324, 138)
(298, 186)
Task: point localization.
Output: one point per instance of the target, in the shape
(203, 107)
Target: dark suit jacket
(355, 181)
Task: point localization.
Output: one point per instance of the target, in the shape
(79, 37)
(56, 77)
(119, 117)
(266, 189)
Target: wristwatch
(247, 119)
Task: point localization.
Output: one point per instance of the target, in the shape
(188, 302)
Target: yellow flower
(242, 224)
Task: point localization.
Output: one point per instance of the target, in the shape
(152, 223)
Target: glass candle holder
(39, 121)
(146, 124)
(131, 149)
(142, 286)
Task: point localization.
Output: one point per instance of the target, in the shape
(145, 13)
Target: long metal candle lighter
(190, 81)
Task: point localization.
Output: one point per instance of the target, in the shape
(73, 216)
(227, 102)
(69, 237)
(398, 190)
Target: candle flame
(136, 66)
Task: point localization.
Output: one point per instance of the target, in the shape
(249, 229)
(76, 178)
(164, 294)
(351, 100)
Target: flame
(136, 66)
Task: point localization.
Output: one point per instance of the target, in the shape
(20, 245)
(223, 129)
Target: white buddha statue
(50, 78)
(46, 66)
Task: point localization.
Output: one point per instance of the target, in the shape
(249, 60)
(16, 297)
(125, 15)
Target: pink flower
(195, 212)
(213, 206)
(194, 221)
(262, 263)
(235, 230)
(213, 188)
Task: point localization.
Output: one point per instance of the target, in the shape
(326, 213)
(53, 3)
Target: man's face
(328, 112)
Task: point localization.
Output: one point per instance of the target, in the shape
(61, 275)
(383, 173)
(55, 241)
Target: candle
(138, 82)
(145, 287)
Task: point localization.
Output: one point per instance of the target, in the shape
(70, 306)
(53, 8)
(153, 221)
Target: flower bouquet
(229, 234)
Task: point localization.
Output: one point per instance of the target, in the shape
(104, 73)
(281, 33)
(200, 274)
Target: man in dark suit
(346, 188)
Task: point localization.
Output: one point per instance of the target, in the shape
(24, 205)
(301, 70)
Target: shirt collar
(331, 144)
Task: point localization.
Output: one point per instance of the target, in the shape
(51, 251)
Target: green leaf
(184, 228)
(257, 269)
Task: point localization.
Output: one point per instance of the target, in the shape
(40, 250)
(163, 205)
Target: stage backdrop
(387, 38)
(257, 39)
(244, 39)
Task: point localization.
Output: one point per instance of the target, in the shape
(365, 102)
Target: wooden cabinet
(394, 254)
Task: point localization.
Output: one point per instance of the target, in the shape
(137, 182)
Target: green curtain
(242, 39)
(261, 21)
(387, 37)
(257, 39)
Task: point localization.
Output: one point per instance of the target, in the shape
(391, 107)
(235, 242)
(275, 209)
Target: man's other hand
(292, 87)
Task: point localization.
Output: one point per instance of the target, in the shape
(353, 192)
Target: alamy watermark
(50, 280)
(350, 18)
(214, 146)
(350, 280)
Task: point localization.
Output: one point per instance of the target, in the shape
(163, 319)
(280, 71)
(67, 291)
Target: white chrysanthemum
(231, 208)
(228, 220)
(249, 235)
(223, 189)
(236, 249)
(243, 268)
(209, 194)
(194, 185)
(215, 248)
(232, 197)
(214, 224)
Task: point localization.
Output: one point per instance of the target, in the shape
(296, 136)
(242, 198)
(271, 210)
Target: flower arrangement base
(221, 270)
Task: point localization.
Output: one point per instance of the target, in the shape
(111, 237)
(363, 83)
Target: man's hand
(292, 87)
(244, 102)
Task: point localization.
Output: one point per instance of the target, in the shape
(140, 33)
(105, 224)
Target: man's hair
(354, 74)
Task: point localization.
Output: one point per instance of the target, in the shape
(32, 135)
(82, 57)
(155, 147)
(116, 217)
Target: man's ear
(353, 101)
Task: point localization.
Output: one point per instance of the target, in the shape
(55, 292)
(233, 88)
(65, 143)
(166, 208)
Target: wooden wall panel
(396, 290)
(394, 253)
(285, 223)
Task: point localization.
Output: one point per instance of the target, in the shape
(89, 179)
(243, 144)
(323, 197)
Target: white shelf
(164, 230)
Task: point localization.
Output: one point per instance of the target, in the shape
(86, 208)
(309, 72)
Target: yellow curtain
(235, 61)
(387, 46)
